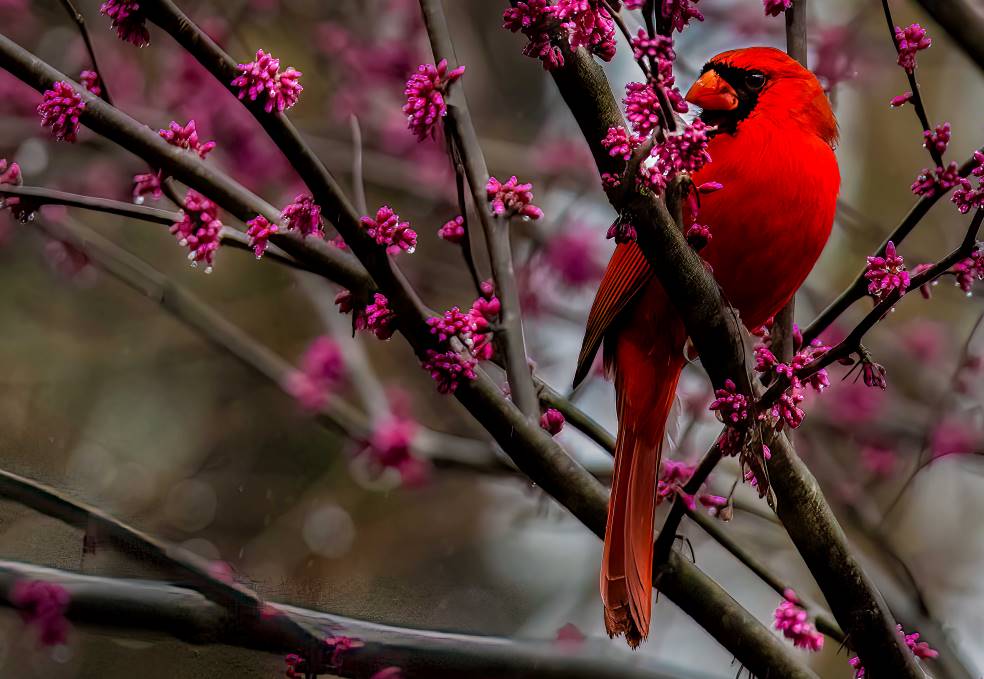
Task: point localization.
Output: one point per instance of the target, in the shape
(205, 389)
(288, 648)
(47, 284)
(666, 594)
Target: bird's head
(744, 84)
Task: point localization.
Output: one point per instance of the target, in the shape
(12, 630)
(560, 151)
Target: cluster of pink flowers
(642, 108)
(886, 273)
(552, 421)
(620, 143)
(379, 318)
(453, 230)
(680, 12)
(622, 232)
(730, 405)
(698, 235)
(909, 41)
(389, 447)
(387, 229)
(766, 361)
(60, 109)
(937, 139)
(90, 81)
(425, 92)
(776, 7)
(449, 368)
(322, 370)
(919, 649)
(873, 374)
(259, 229)
(453, 323)
(186, 137)
(942, 179)
(968, 271)
(511, 198)
(10, 173)
(794, 623)
(685, 151)
(199, 229)
(43, 604)
(128, 21)
(304, 216)
(589, 25)
(673, 476)
(263, 80)
(658, 48)
(968, 197)
(146, 184)
(537, 20)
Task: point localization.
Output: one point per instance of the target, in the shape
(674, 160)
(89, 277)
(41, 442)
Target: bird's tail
(646, 378)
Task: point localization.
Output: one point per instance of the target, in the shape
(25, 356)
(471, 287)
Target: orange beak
(712, 93)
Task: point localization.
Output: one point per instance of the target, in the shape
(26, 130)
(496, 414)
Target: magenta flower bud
(709, 187)
(901, 100)
(425, 92)
(259, 231)
(60, 109)
(262, 80)
(552, 421)
(128, 21)
(453, 231)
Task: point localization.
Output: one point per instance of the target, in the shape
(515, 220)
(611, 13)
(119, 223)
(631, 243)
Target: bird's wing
(626, 275)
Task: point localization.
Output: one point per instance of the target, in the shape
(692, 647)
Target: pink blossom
(10, 173)
(322, 370)
(346, 303)
(304, 216)
(942, 179)
(622, 232)
(698, 235)
(651, 178)
(685, 151)
(389, 447)
(978, 166)
(263, 80)
(128, 21)
(968, 271)
(794, 623)
(449, 369)
(380, 318)
(680, 12)
(42, 604)
(620, 143)
(571, 255)
(776, 7)
(659, 47)
(454, 323)
(90, 81)
(730, 405)
(886, 273)
(60, 110)
(199, 229)
(610, 181)
(387, 229)
(186, 138)
(146, 184)
(937, 139)
(901, 100)
(909, 41)
(589, 25)
(709, 187)
(642, 108)
(873, 374)
(453, 231)
(511, 198)
(786, 409)
(537, 20)
(552, 421)
(919, 649)
(259, 231)
(425, 92)
(968, 197)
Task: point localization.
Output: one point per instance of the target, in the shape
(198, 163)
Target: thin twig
(79, 20)
(358, 183)
(460, 128)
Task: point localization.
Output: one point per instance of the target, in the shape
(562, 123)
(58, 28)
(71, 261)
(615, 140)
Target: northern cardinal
(773, 153)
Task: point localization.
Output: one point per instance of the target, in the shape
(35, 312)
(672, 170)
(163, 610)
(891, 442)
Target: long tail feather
(646, 376)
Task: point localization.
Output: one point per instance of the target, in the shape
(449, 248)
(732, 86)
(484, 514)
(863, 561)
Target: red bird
(773, 153)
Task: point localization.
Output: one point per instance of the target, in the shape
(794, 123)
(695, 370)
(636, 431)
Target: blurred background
(110, 398)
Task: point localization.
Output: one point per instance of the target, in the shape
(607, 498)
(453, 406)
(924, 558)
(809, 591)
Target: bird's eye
(755, 80)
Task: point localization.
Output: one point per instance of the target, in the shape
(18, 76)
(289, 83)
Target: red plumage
(769, 225)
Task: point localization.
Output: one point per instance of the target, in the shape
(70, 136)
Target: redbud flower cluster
(425, 93)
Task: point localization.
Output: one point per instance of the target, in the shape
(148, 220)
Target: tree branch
(460, 129)
(964, 21)
(134, 607)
